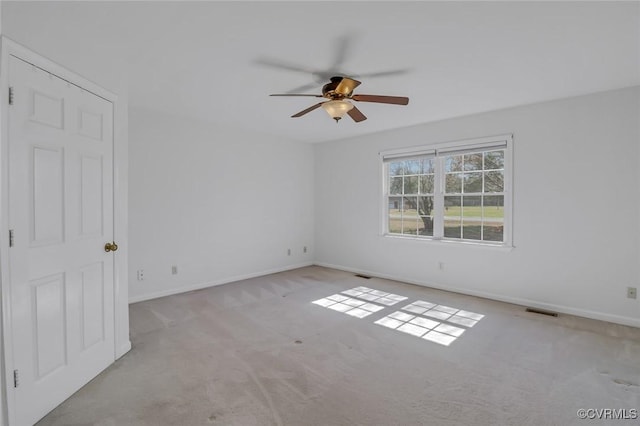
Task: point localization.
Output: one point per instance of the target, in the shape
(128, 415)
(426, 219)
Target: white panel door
(61, 214)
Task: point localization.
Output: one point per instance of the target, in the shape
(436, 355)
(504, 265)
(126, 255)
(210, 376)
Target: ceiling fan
(339, 92)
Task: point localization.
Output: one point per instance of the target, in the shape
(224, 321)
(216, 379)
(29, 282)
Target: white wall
(576, 208)
(220, 204)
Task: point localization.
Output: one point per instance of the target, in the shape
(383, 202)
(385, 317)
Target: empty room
(323, 213)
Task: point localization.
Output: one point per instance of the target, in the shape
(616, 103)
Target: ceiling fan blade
(276, 63)
(356, 115)
(296, 94)
(303, 112)
(346, 86)
(342, 47)
(396, 100)
(382, 73)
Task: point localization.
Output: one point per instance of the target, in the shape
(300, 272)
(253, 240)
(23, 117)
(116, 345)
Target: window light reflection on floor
(354, 307)
(430, 321)
(377, 296)
(445, 313)
(428, 328)
(360, 304)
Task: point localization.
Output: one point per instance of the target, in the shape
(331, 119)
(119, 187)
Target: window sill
(451, 243)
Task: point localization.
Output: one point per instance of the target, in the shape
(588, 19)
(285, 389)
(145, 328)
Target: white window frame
(439, 151)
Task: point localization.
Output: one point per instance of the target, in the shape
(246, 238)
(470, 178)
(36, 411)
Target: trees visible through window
(458, 192)
(411, 197)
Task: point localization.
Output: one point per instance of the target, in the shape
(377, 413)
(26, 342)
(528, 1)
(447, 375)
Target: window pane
(493, 212)
(425, 206)
(413, 167)
(395, 185)
(452, 228)
(472, 230)
(494, 233)
(396, 168)
(395, 215)
(494, 181)
(494, 160)
(472, 182)
(410, 225)
(425, 222)
(496, 201)
(453, 183)
(410, 215)
(395, 205)
(452, 205)
(411, 184)
(410, 206)
(473, 161)
(425, 226)
(427, 166)
(452, 216)
(472, 218)
(395, 225)
(426, 184)
(472, 206)
(453, 163)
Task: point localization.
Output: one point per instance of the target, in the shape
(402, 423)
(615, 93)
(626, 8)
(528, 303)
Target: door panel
(91, 196)
(61, 211)
(49, 321)
(90, 124)
(92, 304)
(47, 196)
(47, 109)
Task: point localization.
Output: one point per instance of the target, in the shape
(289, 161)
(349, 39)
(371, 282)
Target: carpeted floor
(259, 352)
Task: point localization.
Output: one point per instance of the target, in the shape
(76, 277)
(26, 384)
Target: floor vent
(363, 276)
(542, 312)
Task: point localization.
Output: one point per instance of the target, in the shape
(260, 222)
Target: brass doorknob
(110, 247)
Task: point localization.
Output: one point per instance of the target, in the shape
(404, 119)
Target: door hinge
(10, 237)
(16, 379)
(10, 95)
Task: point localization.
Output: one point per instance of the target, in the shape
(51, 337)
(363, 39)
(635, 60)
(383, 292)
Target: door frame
(122, 343)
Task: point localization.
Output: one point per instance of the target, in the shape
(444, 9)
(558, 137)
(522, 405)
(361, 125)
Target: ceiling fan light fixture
(337, 108)
(338, 94)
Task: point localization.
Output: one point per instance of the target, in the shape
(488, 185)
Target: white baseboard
(617, 319)
(199, 286)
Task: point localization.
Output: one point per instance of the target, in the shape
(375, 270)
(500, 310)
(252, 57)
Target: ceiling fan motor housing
(329, 90)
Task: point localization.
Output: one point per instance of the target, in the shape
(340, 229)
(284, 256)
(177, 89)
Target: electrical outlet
(140, 274)
(441, 266)
(632, 292)
(304, 249)
(174, 270)
(288, 252)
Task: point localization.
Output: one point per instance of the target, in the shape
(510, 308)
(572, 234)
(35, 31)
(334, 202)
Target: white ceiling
(209, 60)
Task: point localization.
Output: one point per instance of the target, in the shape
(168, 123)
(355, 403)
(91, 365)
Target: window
(456, 191)
(410, 200)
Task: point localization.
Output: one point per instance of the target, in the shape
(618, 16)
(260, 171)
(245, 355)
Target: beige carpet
(259, 352)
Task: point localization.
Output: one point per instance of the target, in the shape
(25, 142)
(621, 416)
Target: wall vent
(363, 276)
(542, 312)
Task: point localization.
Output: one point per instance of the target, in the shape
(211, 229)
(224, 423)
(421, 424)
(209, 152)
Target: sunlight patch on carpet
(436, 323)
(350, 306)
